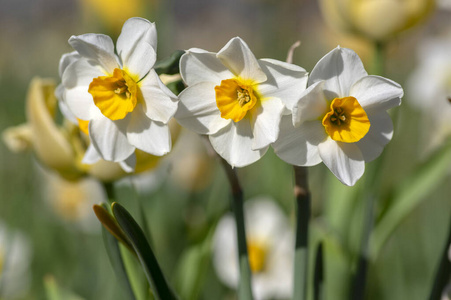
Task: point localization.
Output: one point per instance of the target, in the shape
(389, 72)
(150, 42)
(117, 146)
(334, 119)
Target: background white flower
(341, 118)
(15, 259)
(121, 96)
(270, 247)
(429, 90)
(236, 99)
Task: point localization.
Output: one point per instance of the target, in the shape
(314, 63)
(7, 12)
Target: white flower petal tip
(341, 118)
(120, 95)
(239, 59)
(236, 99)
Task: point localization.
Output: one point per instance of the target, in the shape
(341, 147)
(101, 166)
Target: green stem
(302, 194)
(379, 59)
(109, 190)
(359, 283)
(244, 288)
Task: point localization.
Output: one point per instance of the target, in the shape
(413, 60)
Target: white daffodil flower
(15, 261)
(119, 99)
(341, 119)
(433, 100)
(237, 100)
(270, 247)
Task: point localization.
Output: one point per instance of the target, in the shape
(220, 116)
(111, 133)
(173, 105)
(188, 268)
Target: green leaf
(55, 292)
(145, 254)
(410, 194)
(169, 65)
(114, 254)
(193, 267)
(110, 224)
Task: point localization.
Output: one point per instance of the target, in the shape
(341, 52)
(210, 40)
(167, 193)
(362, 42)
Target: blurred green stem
(359, 283)
(245, 287)
(109, 190)
(302, 195)
(379, 59)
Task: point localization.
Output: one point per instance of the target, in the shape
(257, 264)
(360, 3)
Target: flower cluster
(245, 105)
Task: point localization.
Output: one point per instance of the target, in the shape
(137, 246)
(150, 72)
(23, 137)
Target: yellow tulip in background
(377, 20)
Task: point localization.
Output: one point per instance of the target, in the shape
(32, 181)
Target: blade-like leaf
(145, 254)
(193, 267)
(110, 224)
(114, 254)
(410, 194)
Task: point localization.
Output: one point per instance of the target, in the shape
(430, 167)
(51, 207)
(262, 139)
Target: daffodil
(433, 100)
(237, 100)
(341, 119)
(15, 261)
(375, 19)
(270, 247)
(119, 99)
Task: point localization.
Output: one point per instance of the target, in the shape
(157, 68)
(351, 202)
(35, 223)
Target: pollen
(346, 121)
(114, 95)
(234, 98)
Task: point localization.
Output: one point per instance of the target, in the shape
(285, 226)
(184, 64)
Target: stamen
(243, 96)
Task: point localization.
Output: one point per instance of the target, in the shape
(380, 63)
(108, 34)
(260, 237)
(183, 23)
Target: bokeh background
(184, 197)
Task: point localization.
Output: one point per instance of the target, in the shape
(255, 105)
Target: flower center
(114, 95)
(346, 121)
(234, 98)
(258, 253)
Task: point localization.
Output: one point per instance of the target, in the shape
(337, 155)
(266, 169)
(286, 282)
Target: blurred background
(185, 195)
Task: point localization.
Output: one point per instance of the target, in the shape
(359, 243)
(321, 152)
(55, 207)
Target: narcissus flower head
(341, 119)
(270, 248)
(376, 19)
(236, 99)
(119, 99)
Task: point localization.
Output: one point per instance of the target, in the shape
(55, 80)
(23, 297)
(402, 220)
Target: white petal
(91, 155)
(62, 105)
(81, 104)
(380, 133)
(265, 119)
(147, 135)
(98, 48)
(234, 144)
(376, 93)
(198, 65)
(66, 60)
(311, 106)
(80, 73)
(109, 139)
(134, 32)
(239, 59)
(129, 164)
(299, 146)
(160, 102)
(343, 159)
(285, 81)
(225, 259)
(198, 111)
(141, 60)
(340, 68)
